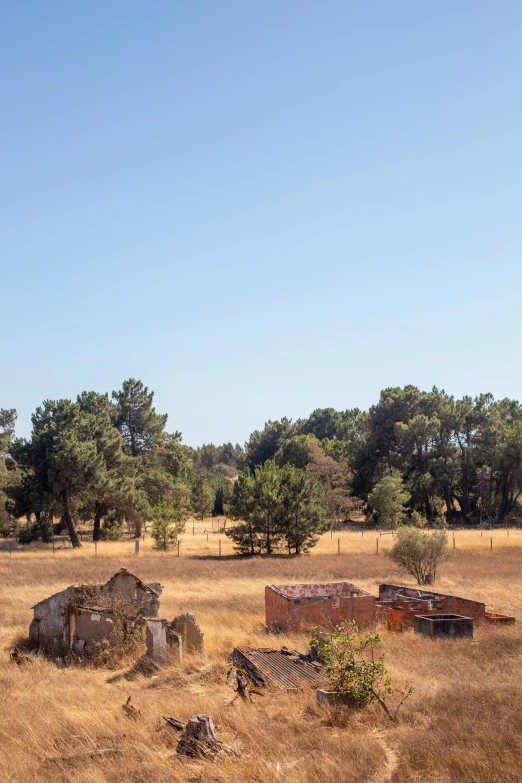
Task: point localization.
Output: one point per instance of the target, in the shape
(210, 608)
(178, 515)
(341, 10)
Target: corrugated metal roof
(268, 667)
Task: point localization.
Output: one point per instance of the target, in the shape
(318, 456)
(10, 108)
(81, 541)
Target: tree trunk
(465, 489)
(449, 503)
(429, 510)
(200, 739)
(71, 527)
(96, 530)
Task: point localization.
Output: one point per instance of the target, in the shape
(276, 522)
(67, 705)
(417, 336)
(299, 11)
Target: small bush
(418, 553)
(353, 667)
(168, 522)
(42, 530)
(111, 532)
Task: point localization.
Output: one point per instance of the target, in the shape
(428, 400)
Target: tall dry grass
(463, 722)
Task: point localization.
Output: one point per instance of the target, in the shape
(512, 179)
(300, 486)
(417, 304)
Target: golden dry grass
(463, 723)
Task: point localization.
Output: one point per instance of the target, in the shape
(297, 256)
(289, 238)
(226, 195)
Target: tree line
(413, 458)
(105, 459)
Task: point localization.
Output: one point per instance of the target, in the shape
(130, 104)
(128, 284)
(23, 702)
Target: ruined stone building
(77, 617)
(305, 606)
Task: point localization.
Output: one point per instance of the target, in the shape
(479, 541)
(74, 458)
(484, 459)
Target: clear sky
(259, 208)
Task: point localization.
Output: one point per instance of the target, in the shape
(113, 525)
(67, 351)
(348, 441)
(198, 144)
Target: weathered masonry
(398, 605)
(305, 606)
(79, 617)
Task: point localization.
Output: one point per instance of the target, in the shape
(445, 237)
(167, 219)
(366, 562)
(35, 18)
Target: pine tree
(302, 515)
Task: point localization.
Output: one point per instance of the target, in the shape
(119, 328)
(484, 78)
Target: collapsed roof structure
(270, 668)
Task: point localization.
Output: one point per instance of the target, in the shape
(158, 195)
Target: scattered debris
(200, 739)
(130, 710)
(18, 657)
(174, 723)
(267, 667)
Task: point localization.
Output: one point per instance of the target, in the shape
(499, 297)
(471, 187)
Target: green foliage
(111, 531)
(203, 497)
(354, 668)
(387, 500)
(418, 553)
(417, 520)
(136, 418)
(208, 457)
(8, 524)
(279, 509)
(295, 451)
(302, 513)
(169, 518)
(263, 446)
(41, 530)
(60, 466)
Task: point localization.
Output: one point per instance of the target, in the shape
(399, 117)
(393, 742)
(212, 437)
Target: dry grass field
(463, 722)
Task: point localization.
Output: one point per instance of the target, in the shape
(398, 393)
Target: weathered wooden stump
(200, 739)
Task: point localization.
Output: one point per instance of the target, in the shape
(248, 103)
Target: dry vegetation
(463, 722)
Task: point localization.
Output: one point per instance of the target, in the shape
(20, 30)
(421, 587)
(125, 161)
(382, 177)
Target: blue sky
(259, 209)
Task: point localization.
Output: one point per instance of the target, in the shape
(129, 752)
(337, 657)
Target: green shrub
(353, 667)
(418, 553)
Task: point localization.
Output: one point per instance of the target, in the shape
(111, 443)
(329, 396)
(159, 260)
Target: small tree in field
(168, 522)
(419, 553)
(353, 667)
(203, 498)
(387, 500)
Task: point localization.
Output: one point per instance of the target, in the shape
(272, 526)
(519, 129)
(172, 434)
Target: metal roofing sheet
(282, 668)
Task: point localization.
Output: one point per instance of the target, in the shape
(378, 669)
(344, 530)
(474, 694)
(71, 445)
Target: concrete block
(444, 626)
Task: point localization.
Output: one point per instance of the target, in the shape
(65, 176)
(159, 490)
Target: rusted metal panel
(268, 667)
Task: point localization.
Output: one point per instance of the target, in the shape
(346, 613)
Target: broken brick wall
(401, 604)
(293, 607)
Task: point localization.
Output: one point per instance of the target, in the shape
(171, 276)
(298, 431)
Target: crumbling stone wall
(50, 627)
(91, 627)
(72, 614)
(145, 597)
(163, 645)
(319, 605)
(186, 626)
